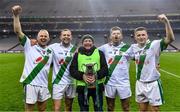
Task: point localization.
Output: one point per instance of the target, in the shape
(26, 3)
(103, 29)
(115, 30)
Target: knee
(56, 108)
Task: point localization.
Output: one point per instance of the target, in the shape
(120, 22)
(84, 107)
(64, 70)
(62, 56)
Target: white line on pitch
(169, 73)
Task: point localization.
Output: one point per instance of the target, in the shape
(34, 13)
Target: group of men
(111, 74)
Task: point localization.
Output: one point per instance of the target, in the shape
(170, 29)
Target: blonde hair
(140, 29)
(115, 28)
(65, 30)
(43, 30)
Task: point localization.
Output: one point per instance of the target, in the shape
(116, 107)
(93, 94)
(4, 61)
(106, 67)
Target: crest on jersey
(121, 52)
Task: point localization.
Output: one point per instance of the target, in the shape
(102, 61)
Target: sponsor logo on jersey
(39, 59)
(61, 61)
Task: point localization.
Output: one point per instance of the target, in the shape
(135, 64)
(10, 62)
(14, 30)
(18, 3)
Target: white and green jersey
(37, 64)
(62, 57)
(119, 75)
(146, 59)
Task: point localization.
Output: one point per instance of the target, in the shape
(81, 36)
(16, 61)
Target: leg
(29, 107)
(41, 106)
(68, 104)
(56, 105)
(110, 103)
(101, 100)
(69, 96)
(82, 106)
(143, 107)
(97, 107)
(125, 104)
(155, 108)
(30, 97)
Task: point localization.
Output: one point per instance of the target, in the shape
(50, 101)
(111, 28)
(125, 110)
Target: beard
(66, 44)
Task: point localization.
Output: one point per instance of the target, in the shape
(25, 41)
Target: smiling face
(141, 37)
(88, 43)
(43, 38)
(66, 37)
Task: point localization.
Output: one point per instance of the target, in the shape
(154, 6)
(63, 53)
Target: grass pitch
(11, 91)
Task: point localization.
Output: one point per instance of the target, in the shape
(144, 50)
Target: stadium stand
(95, 17)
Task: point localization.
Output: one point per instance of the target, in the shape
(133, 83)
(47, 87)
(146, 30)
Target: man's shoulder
(54, 45)
(134, 45)
(156, 41)
(105, 46)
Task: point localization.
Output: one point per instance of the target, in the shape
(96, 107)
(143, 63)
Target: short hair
(140, 29)
(43, 30)
(65, 30)
(115, 28)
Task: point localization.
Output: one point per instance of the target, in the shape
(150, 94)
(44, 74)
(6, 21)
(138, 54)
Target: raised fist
(16, 10)
(163, 18)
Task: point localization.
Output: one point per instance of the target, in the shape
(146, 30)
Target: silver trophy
(89, 70)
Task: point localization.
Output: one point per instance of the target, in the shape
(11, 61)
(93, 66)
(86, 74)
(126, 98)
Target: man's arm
(16, 10)
(169, 32)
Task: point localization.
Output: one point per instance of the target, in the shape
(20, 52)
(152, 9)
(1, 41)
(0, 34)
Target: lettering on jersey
(89, 58)
(157, 100)
(110, 52)
(60, 53)
(140, 62)
(43, 51)
(110, 61)
(115, 51)
(65, 52)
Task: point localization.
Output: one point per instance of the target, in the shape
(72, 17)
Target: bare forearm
(169, 33)
(17, 27)
(16, 10)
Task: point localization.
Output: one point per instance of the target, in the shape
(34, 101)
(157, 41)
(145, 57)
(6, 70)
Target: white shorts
(149, 92)
(59, 90)
(35, 93)
(122, 92)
